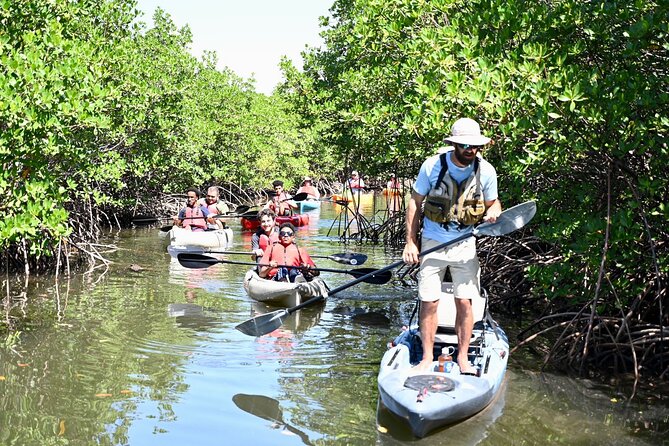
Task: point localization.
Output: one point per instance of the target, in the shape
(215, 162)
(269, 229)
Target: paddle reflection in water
(211, 281)
(268, 409)
(192, 316)
(280, 343)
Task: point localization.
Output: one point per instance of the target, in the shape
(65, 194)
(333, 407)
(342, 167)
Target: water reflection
(268, 409)
(212, 279)
(281, 343)
(192, 316)
(152, 357)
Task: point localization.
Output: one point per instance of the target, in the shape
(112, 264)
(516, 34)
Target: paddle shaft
(328, 270)
(240, 210)
(356, 281)
(251, 253)
(508, 221)
(216, 216)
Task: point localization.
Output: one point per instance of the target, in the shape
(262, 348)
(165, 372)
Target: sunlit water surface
(118, 357)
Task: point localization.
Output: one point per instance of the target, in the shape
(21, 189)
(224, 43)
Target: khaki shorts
(463, 262)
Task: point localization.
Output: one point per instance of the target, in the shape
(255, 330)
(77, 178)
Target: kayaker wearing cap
(393, 183)
(308, 188)
(459, 189)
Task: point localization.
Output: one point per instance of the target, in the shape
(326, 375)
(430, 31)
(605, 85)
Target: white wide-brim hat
(467, 131)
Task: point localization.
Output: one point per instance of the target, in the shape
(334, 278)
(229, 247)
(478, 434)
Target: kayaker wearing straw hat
(308, 188)
(459, 189)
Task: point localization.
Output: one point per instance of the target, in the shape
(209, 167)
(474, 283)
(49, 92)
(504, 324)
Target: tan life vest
(449, 202)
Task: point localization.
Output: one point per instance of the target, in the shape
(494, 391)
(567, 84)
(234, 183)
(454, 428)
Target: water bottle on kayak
(445, 360)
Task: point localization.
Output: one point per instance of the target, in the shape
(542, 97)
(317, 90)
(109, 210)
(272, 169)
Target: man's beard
(459, 156)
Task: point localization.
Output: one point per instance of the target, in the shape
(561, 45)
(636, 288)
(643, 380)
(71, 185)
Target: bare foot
(465, 367)
(422, 367)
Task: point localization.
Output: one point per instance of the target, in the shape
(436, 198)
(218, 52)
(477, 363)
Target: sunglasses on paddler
(468, 146)
(285, 234)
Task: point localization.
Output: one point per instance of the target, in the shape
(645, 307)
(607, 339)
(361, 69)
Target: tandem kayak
(433, 399)
(219, 238)
(284, 294)
(297, 220)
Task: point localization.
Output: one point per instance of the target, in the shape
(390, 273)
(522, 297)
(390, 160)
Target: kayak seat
(446, 314)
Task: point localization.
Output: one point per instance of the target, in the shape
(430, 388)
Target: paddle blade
(260, 406)
(509, 220)
(192, 260)
(349, 258)
(264, 323)
(300, 197)
(377, 278)
(252, 215)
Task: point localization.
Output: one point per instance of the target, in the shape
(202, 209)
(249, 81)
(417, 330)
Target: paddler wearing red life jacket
(308, 188)
(286, 252)
(281, 202)
(355, 183)
(215, 206)
(266, 234)
(193, 216)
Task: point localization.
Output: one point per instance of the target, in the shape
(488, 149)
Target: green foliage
(574, 94)
(98, 111)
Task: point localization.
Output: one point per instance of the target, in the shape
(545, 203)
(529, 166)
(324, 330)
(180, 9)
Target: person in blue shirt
(458, 189)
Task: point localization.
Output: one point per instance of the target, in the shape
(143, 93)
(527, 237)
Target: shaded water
(152, 357)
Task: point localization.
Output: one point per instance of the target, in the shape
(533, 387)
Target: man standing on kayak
(459, 190)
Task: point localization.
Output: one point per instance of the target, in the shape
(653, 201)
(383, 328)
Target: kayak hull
(220, 238)
(309, 205)
(431, 400)
(297, 220)
(283, 294)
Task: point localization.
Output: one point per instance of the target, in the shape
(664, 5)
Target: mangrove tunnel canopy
(100, 114)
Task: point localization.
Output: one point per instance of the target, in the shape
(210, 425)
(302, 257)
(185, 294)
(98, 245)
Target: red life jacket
(265, 240)
(197, 221)
(289, 255)
(355, 183)
(310, 190)
(280, 207)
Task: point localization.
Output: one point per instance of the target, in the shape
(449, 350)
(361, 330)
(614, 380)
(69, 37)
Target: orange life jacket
(310, 190)
(289, 255)
(265, 240)
(195, 218)
(280, 207)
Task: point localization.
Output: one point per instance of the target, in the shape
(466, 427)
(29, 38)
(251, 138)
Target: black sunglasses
(285, 234)
(469, 146)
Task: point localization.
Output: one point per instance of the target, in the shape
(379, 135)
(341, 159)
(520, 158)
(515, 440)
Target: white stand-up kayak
(430, 400)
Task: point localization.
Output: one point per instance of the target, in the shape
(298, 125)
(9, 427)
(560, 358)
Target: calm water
(119, 357)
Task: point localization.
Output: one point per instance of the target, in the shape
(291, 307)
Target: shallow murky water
(121, 357)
